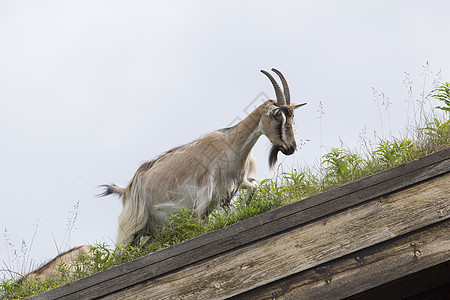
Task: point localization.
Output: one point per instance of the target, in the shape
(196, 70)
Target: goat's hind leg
(132, 220)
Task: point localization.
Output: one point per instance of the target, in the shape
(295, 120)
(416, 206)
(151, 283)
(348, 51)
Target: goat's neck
(244, 135)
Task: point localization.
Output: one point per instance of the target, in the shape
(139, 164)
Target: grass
(337, 167)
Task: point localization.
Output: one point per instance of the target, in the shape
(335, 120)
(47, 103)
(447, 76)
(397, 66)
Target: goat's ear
(272, 110)
(295, 106)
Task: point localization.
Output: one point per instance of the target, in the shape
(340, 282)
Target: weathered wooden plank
(431, 283)
(256, 228)
(365, 269)
(304, 247)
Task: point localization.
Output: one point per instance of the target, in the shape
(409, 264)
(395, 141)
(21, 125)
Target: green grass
(337, 167)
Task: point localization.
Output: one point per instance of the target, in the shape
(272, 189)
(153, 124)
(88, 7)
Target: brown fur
(50, 269)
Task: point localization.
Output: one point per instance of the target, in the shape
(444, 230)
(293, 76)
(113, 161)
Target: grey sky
(91, 89)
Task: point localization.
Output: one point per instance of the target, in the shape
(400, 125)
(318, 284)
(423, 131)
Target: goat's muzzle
(289, 150)
(285, 150)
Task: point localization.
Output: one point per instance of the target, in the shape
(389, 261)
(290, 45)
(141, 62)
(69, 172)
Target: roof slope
(336, 244)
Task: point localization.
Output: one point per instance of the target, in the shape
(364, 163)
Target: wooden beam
(310, 245)
(431, 283)
(369, 268)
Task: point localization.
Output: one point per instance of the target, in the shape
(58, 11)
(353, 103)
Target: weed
(393, 153)
(16, 285)
(442, 93)
(341, 166)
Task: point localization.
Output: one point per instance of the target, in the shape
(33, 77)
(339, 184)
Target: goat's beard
(273, 156)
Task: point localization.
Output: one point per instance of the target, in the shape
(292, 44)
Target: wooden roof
(366, 238)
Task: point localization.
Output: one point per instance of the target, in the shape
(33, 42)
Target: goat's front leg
(251, 185)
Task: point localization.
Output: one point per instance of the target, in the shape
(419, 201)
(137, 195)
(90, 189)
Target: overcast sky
(89, 90)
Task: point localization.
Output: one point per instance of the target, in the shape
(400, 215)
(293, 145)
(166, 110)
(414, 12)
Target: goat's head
(276, 124)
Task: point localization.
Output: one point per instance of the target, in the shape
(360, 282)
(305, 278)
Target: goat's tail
(135, 213)
(112, 189)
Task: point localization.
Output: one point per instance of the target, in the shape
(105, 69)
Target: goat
(201, 174)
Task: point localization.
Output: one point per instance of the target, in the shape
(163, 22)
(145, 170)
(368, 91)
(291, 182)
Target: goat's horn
(287, 95)
(280, 97)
